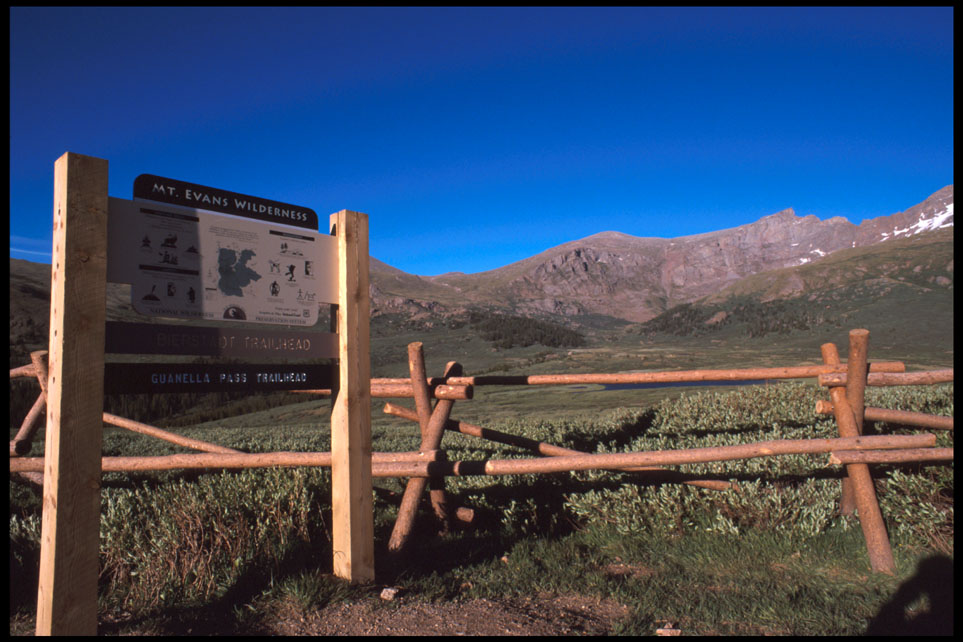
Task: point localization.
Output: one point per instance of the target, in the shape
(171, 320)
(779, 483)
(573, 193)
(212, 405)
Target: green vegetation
(185, 409)
(507, 331)
(899, 289)
(755, 318)
(770, 557)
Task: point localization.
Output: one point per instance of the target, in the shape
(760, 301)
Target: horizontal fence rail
(426, 464)
(890, 456)
(234, 460)
(543, 448)
(923, 378)
(675, 376)
(906, 417)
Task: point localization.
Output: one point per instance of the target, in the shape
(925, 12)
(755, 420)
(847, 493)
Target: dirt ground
(538, 615)
(403, 614)
(545, 615)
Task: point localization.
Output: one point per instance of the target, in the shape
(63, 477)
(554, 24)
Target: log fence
(434, 399)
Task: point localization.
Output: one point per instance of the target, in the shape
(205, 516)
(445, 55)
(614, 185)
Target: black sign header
(169, 190)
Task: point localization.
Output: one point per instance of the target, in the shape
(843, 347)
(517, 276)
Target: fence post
(352, 506)
(419, 385)
(856, 371)
(70, 530)
(432, 432)
(860, 481)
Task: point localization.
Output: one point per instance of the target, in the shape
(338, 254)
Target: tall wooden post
(351, 500)
(70, 531)
(856, 370)
(859, 480)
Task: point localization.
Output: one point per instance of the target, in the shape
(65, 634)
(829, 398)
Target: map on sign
(190, 263)
(233, 272)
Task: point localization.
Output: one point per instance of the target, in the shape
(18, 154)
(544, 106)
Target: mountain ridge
(636, 278)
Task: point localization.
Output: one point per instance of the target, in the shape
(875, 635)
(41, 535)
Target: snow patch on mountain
(938, 221)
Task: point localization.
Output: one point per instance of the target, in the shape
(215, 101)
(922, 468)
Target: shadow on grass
(221, 615)
(934, 581)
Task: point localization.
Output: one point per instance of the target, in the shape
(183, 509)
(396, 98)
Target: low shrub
(193, 541)
(790, 494)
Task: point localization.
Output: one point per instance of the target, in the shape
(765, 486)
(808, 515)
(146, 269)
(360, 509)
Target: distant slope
(924, 262)
(29, 302)
(636, 278)
(901, 289)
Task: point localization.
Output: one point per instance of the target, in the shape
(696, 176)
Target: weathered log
(678, 376)
(925, 377)
(419, 385)
(153, 431)
(39, 360)
(432, 429)
(383, 389)
(698, 455)
(22, 371)
(424, 464)
(436, 485)
(857, 369)
(21, 443)
(890, 456)
(905, 417)
(453, 425)
(33, 477)
(381, 462)
(544, 448)
(860, 488)
(792, 372)
(617, 461)
(464, 516)
(847, 499)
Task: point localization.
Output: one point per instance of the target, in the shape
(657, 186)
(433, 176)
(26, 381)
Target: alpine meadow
(743, 546)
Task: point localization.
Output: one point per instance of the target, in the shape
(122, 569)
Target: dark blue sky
(475, 137)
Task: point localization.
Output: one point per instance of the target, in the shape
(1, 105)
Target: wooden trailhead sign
(195, 264)
(253, 261)
(223, 259)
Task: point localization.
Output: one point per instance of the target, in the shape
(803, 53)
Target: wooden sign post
(351, 498)
(70, 532)
(70, 536)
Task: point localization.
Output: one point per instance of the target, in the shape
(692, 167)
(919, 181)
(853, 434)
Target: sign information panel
(235, 342)
(133, 378)
(195, 264)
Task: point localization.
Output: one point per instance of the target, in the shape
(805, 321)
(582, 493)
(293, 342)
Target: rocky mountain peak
(637, 278)
(787, 214)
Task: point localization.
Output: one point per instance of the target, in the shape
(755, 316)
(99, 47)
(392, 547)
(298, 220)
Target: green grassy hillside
(902, 291)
